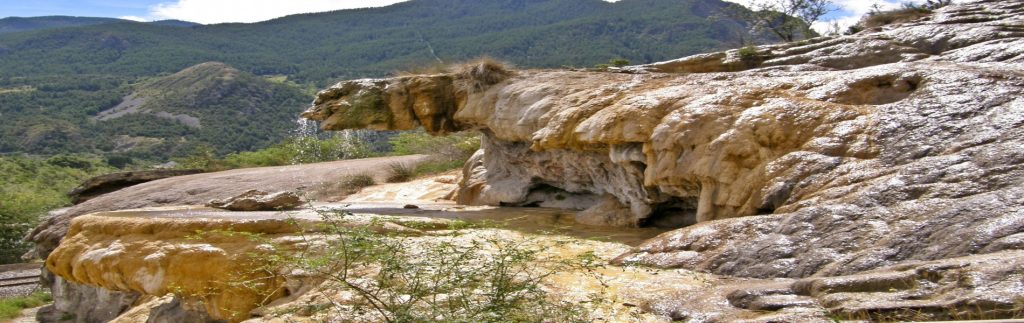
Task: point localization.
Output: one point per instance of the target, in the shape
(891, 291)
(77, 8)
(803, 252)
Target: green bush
(11, 307)
(33, 186)
(409, 280)
(618, 62)
(302, 150)
(748, 52)
(400, 172)
(453, 146)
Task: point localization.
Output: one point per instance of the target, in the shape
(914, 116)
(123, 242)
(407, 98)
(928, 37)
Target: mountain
(207, 105)
(54, 83)
(174, 23)
(376, 41)
(211, 103)
(20, 24)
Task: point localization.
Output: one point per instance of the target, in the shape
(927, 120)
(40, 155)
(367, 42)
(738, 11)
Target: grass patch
(354, 183)
(437, 166)
(897, 16)
(400, 173)
(11, 307)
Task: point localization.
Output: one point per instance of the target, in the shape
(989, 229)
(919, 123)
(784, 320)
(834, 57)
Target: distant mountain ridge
(345, 44)
(55, 83)
(24, 24)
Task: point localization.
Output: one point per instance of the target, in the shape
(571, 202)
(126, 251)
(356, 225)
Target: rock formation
(104, 184)
(874, 176)
(256, 200)
(830, 156)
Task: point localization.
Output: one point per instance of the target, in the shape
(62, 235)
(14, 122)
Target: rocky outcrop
(832, 156)
(92, 301)
(195, 258)
(313, 180)
(104, 184)
(256, 200)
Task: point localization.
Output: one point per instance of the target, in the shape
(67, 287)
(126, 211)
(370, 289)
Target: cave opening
(675, 213)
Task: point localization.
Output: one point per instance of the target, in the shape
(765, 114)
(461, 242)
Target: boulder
(104, 184)
(256, 200)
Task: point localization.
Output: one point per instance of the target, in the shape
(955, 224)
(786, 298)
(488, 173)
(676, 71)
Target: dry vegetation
(478, 73)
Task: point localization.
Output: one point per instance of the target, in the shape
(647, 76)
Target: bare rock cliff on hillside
(826, 157)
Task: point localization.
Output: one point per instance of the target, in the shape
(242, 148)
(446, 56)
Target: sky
(219, 11)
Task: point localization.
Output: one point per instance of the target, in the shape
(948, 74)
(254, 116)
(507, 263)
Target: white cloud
(220, 11)
(849, 11)
(133, 18)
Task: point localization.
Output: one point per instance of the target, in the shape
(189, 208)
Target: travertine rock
(104, 184)
(826, 157)
(312, 180)
(256, 200)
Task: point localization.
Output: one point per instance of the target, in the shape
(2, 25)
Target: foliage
(20, 24)
(400, 172)
(615, 62)
(33, 186)
(908, 12)
(353, 183)
(230, 111)
(11, 307)
(308, 48)
(445, 153)
(295, 150)
(436, 166)
(396, 278)
(748, 53)
(455, 146)
(789, 20)
(53, 82)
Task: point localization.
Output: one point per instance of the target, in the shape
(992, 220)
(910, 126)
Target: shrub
(482, 72)
(475, 74)
(354, 183)
(398, 279)
(400, 172)
(882, 18)
(748, 53)
(11, 307)
(455, 146)
(33, 186)
(618, 62)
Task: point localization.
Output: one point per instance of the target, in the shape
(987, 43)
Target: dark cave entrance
(675, 213)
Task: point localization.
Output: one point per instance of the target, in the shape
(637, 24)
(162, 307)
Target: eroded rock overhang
(846, 144)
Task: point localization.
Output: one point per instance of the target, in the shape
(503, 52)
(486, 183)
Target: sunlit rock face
(831, 156)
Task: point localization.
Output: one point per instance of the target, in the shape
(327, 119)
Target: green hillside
(209, 104)
(371, 42)
(21, 24)
(55, 83)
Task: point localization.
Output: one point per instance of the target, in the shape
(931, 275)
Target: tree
(787, 19)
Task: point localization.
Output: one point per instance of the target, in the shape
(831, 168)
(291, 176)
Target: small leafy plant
(397, 277)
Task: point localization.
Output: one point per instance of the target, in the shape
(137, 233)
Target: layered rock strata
(831, 156)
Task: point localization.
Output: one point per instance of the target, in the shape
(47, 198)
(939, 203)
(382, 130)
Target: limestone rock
(256, 200)
(83, 303)
(104, 184)
(316, 180)
(609, 213)
(826, 157)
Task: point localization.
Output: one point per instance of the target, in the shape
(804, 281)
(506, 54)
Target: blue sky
(218, 11)
(91, 8)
